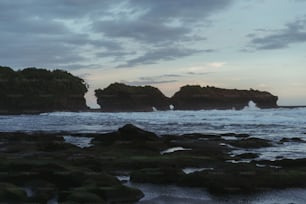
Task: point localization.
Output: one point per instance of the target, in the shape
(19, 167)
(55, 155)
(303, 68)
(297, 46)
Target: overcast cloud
(131, 32)
(294, 32)
(138, 41)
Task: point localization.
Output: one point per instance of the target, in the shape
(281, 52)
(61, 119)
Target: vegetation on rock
(35, 90)
(120, 97)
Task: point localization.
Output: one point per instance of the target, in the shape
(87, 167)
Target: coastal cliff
(197, 97)
(120, 97)
(35, 90)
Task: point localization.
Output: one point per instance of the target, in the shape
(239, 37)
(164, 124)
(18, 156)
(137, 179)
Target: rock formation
(120, 97)
(35, 90)
(197, 97)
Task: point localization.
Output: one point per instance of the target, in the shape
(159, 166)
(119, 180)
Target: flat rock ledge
(40, 167)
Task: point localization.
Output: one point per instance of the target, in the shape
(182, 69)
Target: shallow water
(269, 123)
(81, 142)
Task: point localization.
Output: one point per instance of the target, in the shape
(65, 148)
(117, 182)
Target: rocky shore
(84, 168)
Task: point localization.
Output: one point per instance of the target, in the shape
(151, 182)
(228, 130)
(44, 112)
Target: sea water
(265, 123)
(272, 124)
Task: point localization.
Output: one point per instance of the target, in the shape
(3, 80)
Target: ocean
(264, 123)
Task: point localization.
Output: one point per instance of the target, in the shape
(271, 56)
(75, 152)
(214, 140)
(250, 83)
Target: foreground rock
(35, 90)
(37, 168)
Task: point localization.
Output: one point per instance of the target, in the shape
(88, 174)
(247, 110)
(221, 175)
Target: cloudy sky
(259, 44)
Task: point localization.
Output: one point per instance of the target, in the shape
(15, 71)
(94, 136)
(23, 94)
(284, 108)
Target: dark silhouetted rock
(74, 175)
(157, 176)
(35, 90)
(128, 133)
(84, 197)
(247, 156)
(131, 132)
(120, 97)
(197, 97)
(294, 139)
(250, 143)
(235, 135)
(10, 193)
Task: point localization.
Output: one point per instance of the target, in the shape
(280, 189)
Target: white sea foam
(173, 149)
(269, 123)
(190, 170)
(81, 142)
(251, 106)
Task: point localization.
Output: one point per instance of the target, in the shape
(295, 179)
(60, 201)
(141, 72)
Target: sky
(243, 44)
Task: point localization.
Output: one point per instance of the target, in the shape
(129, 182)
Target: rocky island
(120, 97)
(35, 90)
(197, 98)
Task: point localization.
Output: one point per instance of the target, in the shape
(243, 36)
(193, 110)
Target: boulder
(120, 194)
(166, 175)
(127, 133)
(84, 197)
(9, 193)
(131, 132)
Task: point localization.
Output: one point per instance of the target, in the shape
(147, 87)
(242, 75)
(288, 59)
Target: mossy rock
(110, 194)
(84, 197)
(157, 175)
(41, 190)
(245, 178)
(9, 193)
(246, 156)
(102, 179)
(120, 194)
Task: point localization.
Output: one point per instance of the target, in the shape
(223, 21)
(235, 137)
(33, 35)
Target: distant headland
(34, 90)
